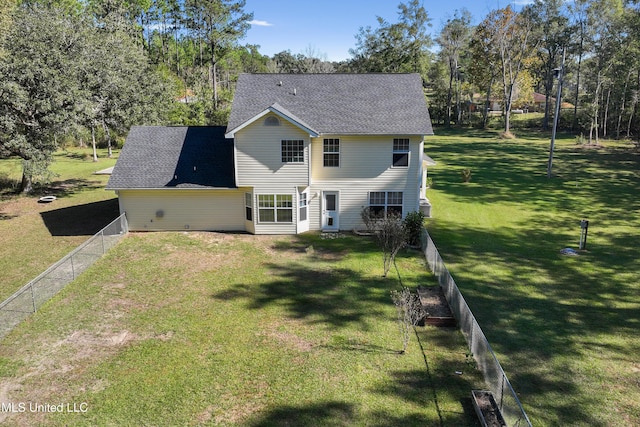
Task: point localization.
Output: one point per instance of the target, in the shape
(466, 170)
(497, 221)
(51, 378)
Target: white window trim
(295, 162)
(386, 204)
(303, 203)
(331, 152)
(248, 206)
(394, 151)
(275, 209)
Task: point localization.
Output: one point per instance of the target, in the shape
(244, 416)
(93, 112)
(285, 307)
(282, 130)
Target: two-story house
(301, 152)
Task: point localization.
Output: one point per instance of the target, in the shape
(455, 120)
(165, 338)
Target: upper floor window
(292, 151)
(331, 152)
(400, 152)
(271, 121)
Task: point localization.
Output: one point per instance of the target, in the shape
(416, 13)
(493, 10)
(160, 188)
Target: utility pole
(559, 74)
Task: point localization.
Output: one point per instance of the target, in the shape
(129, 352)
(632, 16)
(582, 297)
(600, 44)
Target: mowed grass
(197, 328)
(565, 329)
(35, 235)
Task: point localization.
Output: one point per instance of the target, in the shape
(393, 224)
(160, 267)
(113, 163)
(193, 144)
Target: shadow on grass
(583, 179)
(11, 188)
(424, 387)
(543, 306)
(334, 296)
(537, 307)
(340, 414)
(82, 220)
(8, 187)
(341, 343)
(328, 414)
(67, 187)
(4, 216)
(314, 288)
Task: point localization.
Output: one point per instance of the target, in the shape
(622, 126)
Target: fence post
(33, 299)
(104, 251)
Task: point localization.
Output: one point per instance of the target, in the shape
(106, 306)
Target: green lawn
(565, 329)
(223, 329)
(36, 235)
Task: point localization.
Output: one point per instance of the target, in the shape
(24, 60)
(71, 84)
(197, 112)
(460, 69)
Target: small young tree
(409, 311)
(391, 238)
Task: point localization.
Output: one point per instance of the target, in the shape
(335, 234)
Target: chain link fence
(479, 347)
(33, 295)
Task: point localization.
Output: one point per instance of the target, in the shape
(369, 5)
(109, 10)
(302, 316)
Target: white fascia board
(231, 133)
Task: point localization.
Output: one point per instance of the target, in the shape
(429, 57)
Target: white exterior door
(330, 216)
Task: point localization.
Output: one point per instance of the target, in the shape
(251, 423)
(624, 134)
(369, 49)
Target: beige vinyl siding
(365, 157)
(259, 157)
(365, 165)
(182, 209)
(354, 195)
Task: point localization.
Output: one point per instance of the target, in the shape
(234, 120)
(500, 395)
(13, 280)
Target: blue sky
(328, 27)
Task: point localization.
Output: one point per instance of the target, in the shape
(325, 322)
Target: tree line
(89, 69)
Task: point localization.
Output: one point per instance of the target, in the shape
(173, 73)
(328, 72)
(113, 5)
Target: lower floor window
(303, 207)
(248, 207)
(275, 208)
(385, 203)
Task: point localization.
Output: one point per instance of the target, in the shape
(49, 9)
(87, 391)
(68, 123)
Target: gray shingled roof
(361, 104)
(175, 157)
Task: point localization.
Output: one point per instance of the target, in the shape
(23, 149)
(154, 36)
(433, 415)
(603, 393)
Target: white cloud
(261, 23)
(523, 2)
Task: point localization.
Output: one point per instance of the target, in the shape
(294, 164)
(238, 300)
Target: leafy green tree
(6, 9)
(551, 33)
(507, 35)
(399, 47)
(311, 61)
(453, 41)
(286, 62)
(605, 18)
(580, 33)
(485, 62)
(114, 100)
(414, 21)
(218, 25)
(39, 85)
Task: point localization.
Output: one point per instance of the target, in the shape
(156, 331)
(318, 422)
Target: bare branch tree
(410, 312)
(390, 235)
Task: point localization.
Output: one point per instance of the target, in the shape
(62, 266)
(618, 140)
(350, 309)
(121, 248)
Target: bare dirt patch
(292, 341)
(280, 333)
(54, 365)
(198, 261)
